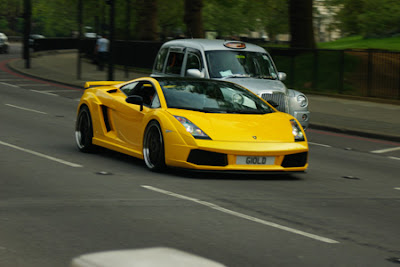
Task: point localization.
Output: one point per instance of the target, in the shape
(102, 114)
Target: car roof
(208, 45)
(187, 79)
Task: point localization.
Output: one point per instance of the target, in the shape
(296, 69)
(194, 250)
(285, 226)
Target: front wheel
(153, 147)
(84, 130)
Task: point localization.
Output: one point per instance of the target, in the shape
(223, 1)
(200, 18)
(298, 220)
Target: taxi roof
(208, 45)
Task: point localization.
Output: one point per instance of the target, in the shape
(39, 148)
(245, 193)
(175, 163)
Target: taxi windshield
(239, 64)
(211, 97)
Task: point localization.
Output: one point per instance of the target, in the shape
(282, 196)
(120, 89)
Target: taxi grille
(278, 98)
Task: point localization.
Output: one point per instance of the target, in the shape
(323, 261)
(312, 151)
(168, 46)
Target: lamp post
(80, 23)
(27, 32)
(111, 3)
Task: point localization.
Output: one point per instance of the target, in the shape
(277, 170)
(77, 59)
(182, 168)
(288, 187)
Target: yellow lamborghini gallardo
(190, 123)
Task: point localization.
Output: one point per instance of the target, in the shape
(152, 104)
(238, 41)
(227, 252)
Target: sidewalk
(363, 118)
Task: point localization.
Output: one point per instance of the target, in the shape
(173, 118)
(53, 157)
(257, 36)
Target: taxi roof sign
(235, 45)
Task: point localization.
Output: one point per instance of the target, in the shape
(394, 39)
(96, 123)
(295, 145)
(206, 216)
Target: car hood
(259, 86)
(272, 127)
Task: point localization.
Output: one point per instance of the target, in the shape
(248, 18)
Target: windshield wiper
(265, 77)
(248, 111)
(237, 76)
(204, 110)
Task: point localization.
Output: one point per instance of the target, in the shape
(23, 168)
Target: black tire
(84, 130)
(153, 147)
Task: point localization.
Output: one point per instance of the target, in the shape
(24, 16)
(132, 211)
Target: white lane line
(241, 215)
(27, 109)
(43, 92)
(316, 144)
(11, 80)
(34, 84)
(396, 158)
(42, 155)
(391, 149)
(9, 84)
(397, 188)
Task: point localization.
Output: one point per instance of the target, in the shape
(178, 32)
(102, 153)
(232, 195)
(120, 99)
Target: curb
(16, 70)
(355, 132)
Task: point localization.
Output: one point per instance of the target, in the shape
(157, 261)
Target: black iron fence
(369, 73)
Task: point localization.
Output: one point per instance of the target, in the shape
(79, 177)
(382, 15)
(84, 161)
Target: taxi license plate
(255, 160)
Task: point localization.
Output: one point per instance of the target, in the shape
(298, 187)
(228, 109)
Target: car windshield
(212, 97)
(239, 64)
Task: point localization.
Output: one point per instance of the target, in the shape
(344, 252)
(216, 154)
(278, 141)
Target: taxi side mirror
(281, 76)
(195, 73)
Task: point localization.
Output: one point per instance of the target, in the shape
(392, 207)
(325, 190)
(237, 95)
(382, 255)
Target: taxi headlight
(192, 128)
(296, 131)
(302, 100)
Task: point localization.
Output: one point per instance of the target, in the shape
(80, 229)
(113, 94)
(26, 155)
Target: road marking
(27, 109)
(42, 155)
(33, 84)
(9, 84)
(43, 92)
(241, 215)
(396, 158)
(11, 80)
(380, 151)
(397, 188)
(316, 144)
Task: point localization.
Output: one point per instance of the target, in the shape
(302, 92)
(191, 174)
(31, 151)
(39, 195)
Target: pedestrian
(102, 46)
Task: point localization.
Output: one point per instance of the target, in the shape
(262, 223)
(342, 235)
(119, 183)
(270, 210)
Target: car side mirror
(282, 76)
(136, 100)
(195, 73)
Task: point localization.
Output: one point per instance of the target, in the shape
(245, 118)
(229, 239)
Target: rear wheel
(153, 147)
(84, 130)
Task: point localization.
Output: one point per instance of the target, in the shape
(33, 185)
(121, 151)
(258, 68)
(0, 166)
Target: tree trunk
(147, 20)
(193, 18)
(301, 24)
(127, 19)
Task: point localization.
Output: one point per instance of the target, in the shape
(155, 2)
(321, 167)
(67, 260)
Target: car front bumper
(239, 156)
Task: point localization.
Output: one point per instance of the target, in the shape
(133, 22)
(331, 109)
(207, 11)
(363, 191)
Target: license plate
(255, 160)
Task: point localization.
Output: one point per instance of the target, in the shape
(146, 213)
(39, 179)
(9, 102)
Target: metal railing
(369, 73)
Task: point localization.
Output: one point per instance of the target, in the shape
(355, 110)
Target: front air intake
(202, 157)
(295, 160)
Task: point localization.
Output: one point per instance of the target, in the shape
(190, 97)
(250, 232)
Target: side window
(145, 90)
(194, 61)
(174, 62)
(156, 102)
(128, 88)
(160, 59)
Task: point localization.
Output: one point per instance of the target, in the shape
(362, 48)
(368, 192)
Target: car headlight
(192, 128)
(296, 131)
(302, 100)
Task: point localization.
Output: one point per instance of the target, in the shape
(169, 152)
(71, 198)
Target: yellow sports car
(190, 123)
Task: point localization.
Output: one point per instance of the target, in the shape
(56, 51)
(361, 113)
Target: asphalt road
(57, 203)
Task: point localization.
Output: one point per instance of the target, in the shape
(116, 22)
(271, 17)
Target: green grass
(357, 42)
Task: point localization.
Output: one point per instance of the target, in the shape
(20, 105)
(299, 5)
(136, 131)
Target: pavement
(372, 118)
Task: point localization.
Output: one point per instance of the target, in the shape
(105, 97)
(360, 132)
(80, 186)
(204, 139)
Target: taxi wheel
(84, 130)
(153, 147)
